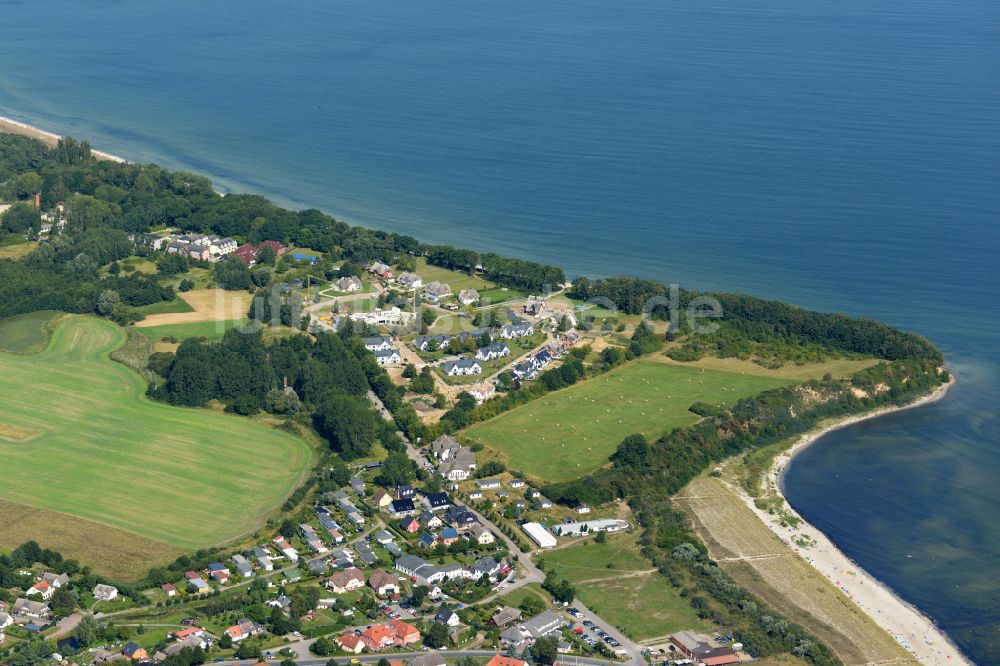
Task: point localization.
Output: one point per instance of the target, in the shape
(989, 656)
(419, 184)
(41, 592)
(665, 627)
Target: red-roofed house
(278, 248)
(181, 634)
(43, 588)
(395, 633)
(351, 643)
(170, 590)
(500, 660)
(246, 253)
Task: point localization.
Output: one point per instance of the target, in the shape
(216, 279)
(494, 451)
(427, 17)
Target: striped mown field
(99, 450)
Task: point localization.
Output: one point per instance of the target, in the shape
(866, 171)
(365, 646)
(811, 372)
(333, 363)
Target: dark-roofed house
(492, 351)
(380, 343)
(447, 617)
(461, 367)
(437, 501)
(402, 507)
(388, 357)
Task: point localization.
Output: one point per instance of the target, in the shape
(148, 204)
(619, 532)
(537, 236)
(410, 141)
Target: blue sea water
(840, 155)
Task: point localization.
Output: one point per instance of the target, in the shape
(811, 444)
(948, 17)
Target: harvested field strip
(109, 551)
(759, 561)
(206, 305)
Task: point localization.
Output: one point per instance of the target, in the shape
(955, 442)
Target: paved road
(373, 658)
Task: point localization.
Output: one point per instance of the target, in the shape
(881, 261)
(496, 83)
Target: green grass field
(177, 304)
(78, 436)
(27, 333)
(589, 560)
(456, 280)
(210, 330)
(571, 432)
(613, 580)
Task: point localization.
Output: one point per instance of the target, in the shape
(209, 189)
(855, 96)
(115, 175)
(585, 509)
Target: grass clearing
(588, 560)
(571, 432)
(617, 583)
(454, 279)
(763, 564)
(838, 368)
(109, 455)
(206, 305)
(642, 607)
(210, 330)
(27, 333)
(17, 250)
(177, 304)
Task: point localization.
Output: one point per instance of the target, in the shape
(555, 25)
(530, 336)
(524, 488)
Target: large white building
(590, 527)
(539, 535)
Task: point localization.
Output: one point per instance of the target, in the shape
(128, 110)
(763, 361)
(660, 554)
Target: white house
(468, 296)
(435, 291)
(380, 343)
(105, 592)
(482, 392)
(463, 366)
(493, 351)
(348, 284)
(410, 280)
(520, 329)
(388, 357)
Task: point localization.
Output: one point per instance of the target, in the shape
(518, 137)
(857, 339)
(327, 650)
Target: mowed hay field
(572, 432)
(206, 305)
(27, 333)
(616, 582)
(763, 564)
(210, 330)
(103, 452)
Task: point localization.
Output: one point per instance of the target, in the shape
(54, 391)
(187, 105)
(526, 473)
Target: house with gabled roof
(515, 330)
(410, 280)
(468, 296)
(388, 357)
(435, 291)
(380, 343)
(348, 284)
(461, 367)
(493, 351)
(383, 583)
(346, 580)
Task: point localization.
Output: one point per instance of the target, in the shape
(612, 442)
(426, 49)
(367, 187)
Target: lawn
(88, 443)
(588, 560)
(572, 432)
(455, 279)
(210, 330)
(614, 581)
(17, 250)
(27, 333)
(643, 606)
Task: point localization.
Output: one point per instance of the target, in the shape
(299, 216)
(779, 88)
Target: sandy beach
(16, 127)
(911, 628)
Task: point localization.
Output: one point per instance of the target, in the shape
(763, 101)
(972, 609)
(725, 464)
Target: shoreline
(49, 138)
(903, 621)
(906, 623)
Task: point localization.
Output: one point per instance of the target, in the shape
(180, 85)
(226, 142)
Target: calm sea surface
(841, 155)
